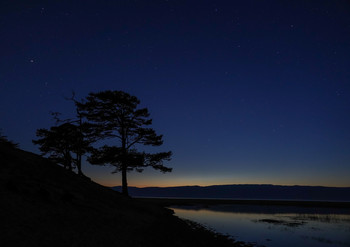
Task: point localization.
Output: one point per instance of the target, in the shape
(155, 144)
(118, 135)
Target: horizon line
(196, 185)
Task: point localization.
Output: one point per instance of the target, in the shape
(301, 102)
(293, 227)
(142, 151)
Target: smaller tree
(82, 134)
(6, 142)
(59, 142)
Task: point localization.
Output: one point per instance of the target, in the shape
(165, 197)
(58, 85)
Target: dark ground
(44, 205)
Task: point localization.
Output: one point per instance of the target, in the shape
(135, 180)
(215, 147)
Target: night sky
(245, 92)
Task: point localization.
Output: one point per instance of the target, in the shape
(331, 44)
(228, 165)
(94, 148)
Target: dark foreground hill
(44, 205)
(257, 192)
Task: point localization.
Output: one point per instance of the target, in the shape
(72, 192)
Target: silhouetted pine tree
(81, 144)
(6, 142)
(59, 143)
(84, 129)
(115, 115)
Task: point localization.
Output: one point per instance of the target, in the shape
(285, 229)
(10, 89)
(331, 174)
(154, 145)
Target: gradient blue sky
(243, 91)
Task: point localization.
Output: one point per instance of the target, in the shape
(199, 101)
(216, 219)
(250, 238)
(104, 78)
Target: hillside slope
(44, 205)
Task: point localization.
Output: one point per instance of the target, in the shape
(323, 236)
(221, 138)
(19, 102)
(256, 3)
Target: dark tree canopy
(57, 143)
(6, 142)
(115, 114)
(82, 135)
(60, 142)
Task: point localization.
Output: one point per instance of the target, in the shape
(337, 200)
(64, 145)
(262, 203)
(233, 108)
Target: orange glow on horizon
(172, 184)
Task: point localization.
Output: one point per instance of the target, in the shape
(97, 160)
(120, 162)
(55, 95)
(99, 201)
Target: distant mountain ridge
(246, 191)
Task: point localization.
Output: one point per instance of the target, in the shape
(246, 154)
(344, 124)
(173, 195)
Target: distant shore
(195, 201)
(249, 192)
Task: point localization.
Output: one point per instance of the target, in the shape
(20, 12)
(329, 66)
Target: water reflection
(275, 226)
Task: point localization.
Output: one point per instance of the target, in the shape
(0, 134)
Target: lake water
(271, 226)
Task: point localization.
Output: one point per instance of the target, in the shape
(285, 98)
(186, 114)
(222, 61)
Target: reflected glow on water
(274, 230)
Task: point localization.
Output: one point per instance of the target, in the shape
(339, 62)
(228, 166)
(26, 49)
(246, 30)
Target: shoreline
(166, 202)
(46, 205)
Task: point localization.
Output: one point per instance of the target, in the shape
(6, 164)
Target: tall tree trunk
(124, 166)
(80, 143)
(67, 160)
(124, 181)
(79, 165)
